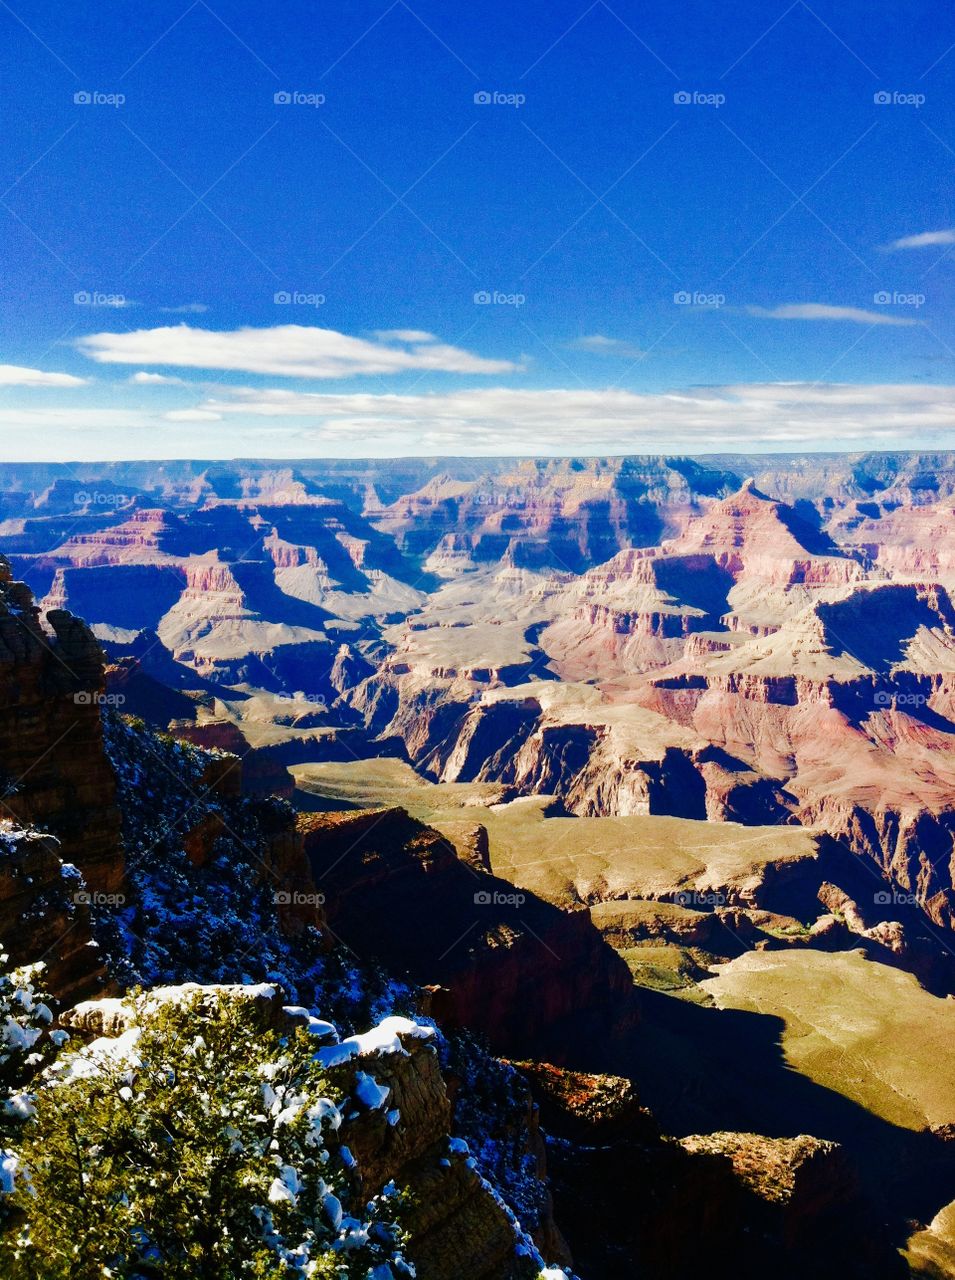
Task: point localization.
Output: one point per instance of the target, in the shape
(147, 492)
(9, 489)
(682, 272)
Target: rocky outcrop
(563, 513)
(632, 1200)
(803, 1204)
(51, 736)
(930, 1253)
(509, 965)
(126, 595)
(738, 639)
(45, 914)
(457, 1224)
(55, 778)
(260, 774)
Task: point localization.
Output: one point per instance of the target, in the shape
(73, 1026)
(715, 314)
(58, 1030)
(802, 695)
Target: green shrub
(200, 1144)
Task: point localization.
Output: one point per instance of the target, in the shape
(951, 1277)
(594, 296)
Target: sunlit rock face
(761, 639)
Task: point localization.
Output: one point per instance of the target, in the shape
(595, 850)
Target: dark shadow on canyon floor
(702, 1069)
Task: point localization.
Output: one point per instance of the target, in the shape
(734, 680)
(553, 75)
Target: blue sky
(422, 228)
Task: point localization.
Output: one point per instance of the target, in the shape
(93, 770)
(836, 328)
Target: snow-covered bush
(197, 1144)
(27, 1041)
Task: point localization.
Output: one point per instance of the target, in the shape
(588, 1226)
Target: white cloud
(30, 427)
(599, 345)
(404, 335)
(924, 240)
(821, 311)
(14, 375)
(579, 422)
(747, 417)
(187, 309)
(143, 379)
(290, 350)
(192, 415)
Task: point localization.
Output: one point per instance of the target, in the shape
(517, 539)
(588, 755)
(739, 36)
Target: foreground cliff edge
(306, 983)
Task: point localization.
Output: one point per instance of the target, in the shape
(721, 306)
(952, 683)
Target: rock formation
(59, 823)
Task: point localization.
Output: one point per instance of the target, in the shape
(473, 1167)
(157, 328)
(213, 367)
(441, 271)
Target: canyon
(640, 769)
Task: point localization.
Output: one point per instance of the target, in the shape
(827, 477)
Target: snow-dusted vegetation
(198, 1143)
(199, 1130)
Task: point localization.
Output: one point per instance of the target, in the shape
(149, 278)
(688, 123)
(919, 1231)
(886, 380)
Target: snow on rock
(91, 1059)
(384, 1038)
(185, 991)
(314, 1026)
(109, 1012)
(334, 1055)
(369, 1092)
(111, 1015)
